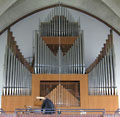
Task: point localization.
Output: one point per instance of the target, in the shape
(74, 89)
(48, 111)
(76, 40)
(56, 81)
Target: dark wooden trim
(77, 9)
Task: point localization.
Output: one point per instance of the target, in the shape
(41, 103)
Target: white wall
(3, 41)
(95, 34)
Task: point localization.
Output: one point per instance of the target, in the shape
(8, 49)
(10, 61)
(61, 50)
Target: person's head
(40, 98)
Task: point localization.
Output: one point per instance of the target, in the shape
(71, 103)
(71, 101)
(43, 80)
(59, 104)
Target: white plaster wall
(95, 34)
(3, 41)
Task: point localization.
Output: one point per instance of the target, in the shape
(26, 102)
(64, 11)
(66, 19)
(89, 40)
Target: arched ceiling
(106, 10)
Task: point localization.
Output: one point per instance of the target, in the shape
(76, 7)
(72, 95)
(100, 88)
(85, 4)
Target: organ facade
(57, 70)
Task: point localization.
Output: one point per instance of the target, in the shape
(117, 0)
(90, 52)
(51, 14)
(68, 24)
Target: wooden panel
(109, 103)
(55, 40)
(10, 103)
(63, 77)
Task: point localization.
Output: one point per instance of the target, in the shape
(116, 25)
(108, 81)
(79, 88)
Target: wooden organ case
(57, 70)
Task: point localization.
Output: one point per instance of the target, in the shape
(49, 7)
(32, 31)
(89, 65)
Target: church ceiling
(107, 10)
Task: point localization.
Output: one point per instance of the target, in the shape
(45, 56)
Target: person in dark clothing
(47, 106)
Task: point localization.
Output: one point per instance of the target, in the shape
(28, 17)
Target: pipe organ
(17, 71)
(101, 73)
(69, 90)
(58, 68)
(59, 23)
(59, 39)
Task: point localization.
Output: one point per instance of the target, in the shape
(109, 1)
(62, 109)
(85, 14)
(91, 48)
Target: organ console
(58, 68)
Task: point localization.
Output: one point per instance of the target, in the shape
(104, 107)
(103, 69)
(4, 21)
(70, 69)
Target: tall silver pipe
(95, 80)
(105, 79)
(19, 77)
(14, 68)
(22, 72)
(63, 21)
(24, 83)
(52, 22)
(38, 52)
(6, 63)
(8, 72)
(5, 70)
(98, 70)
(113, 67)
(77, 53)
(35, 47)
(81, 53)
(44, 56)
(106, 72)
(79, 57)
(82, 45)
(40, 57)
(103, 76)
(11, 72)
(47, 60)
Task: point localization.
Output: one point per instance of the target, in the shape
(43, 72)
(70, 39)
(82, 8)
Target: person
(47, 105)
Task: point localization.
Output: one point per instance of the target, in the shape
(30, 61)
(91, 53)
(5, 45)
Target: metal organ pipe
(103, 71)
(17, 76)
(17, 73)
(59, 23)
(14, 77)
